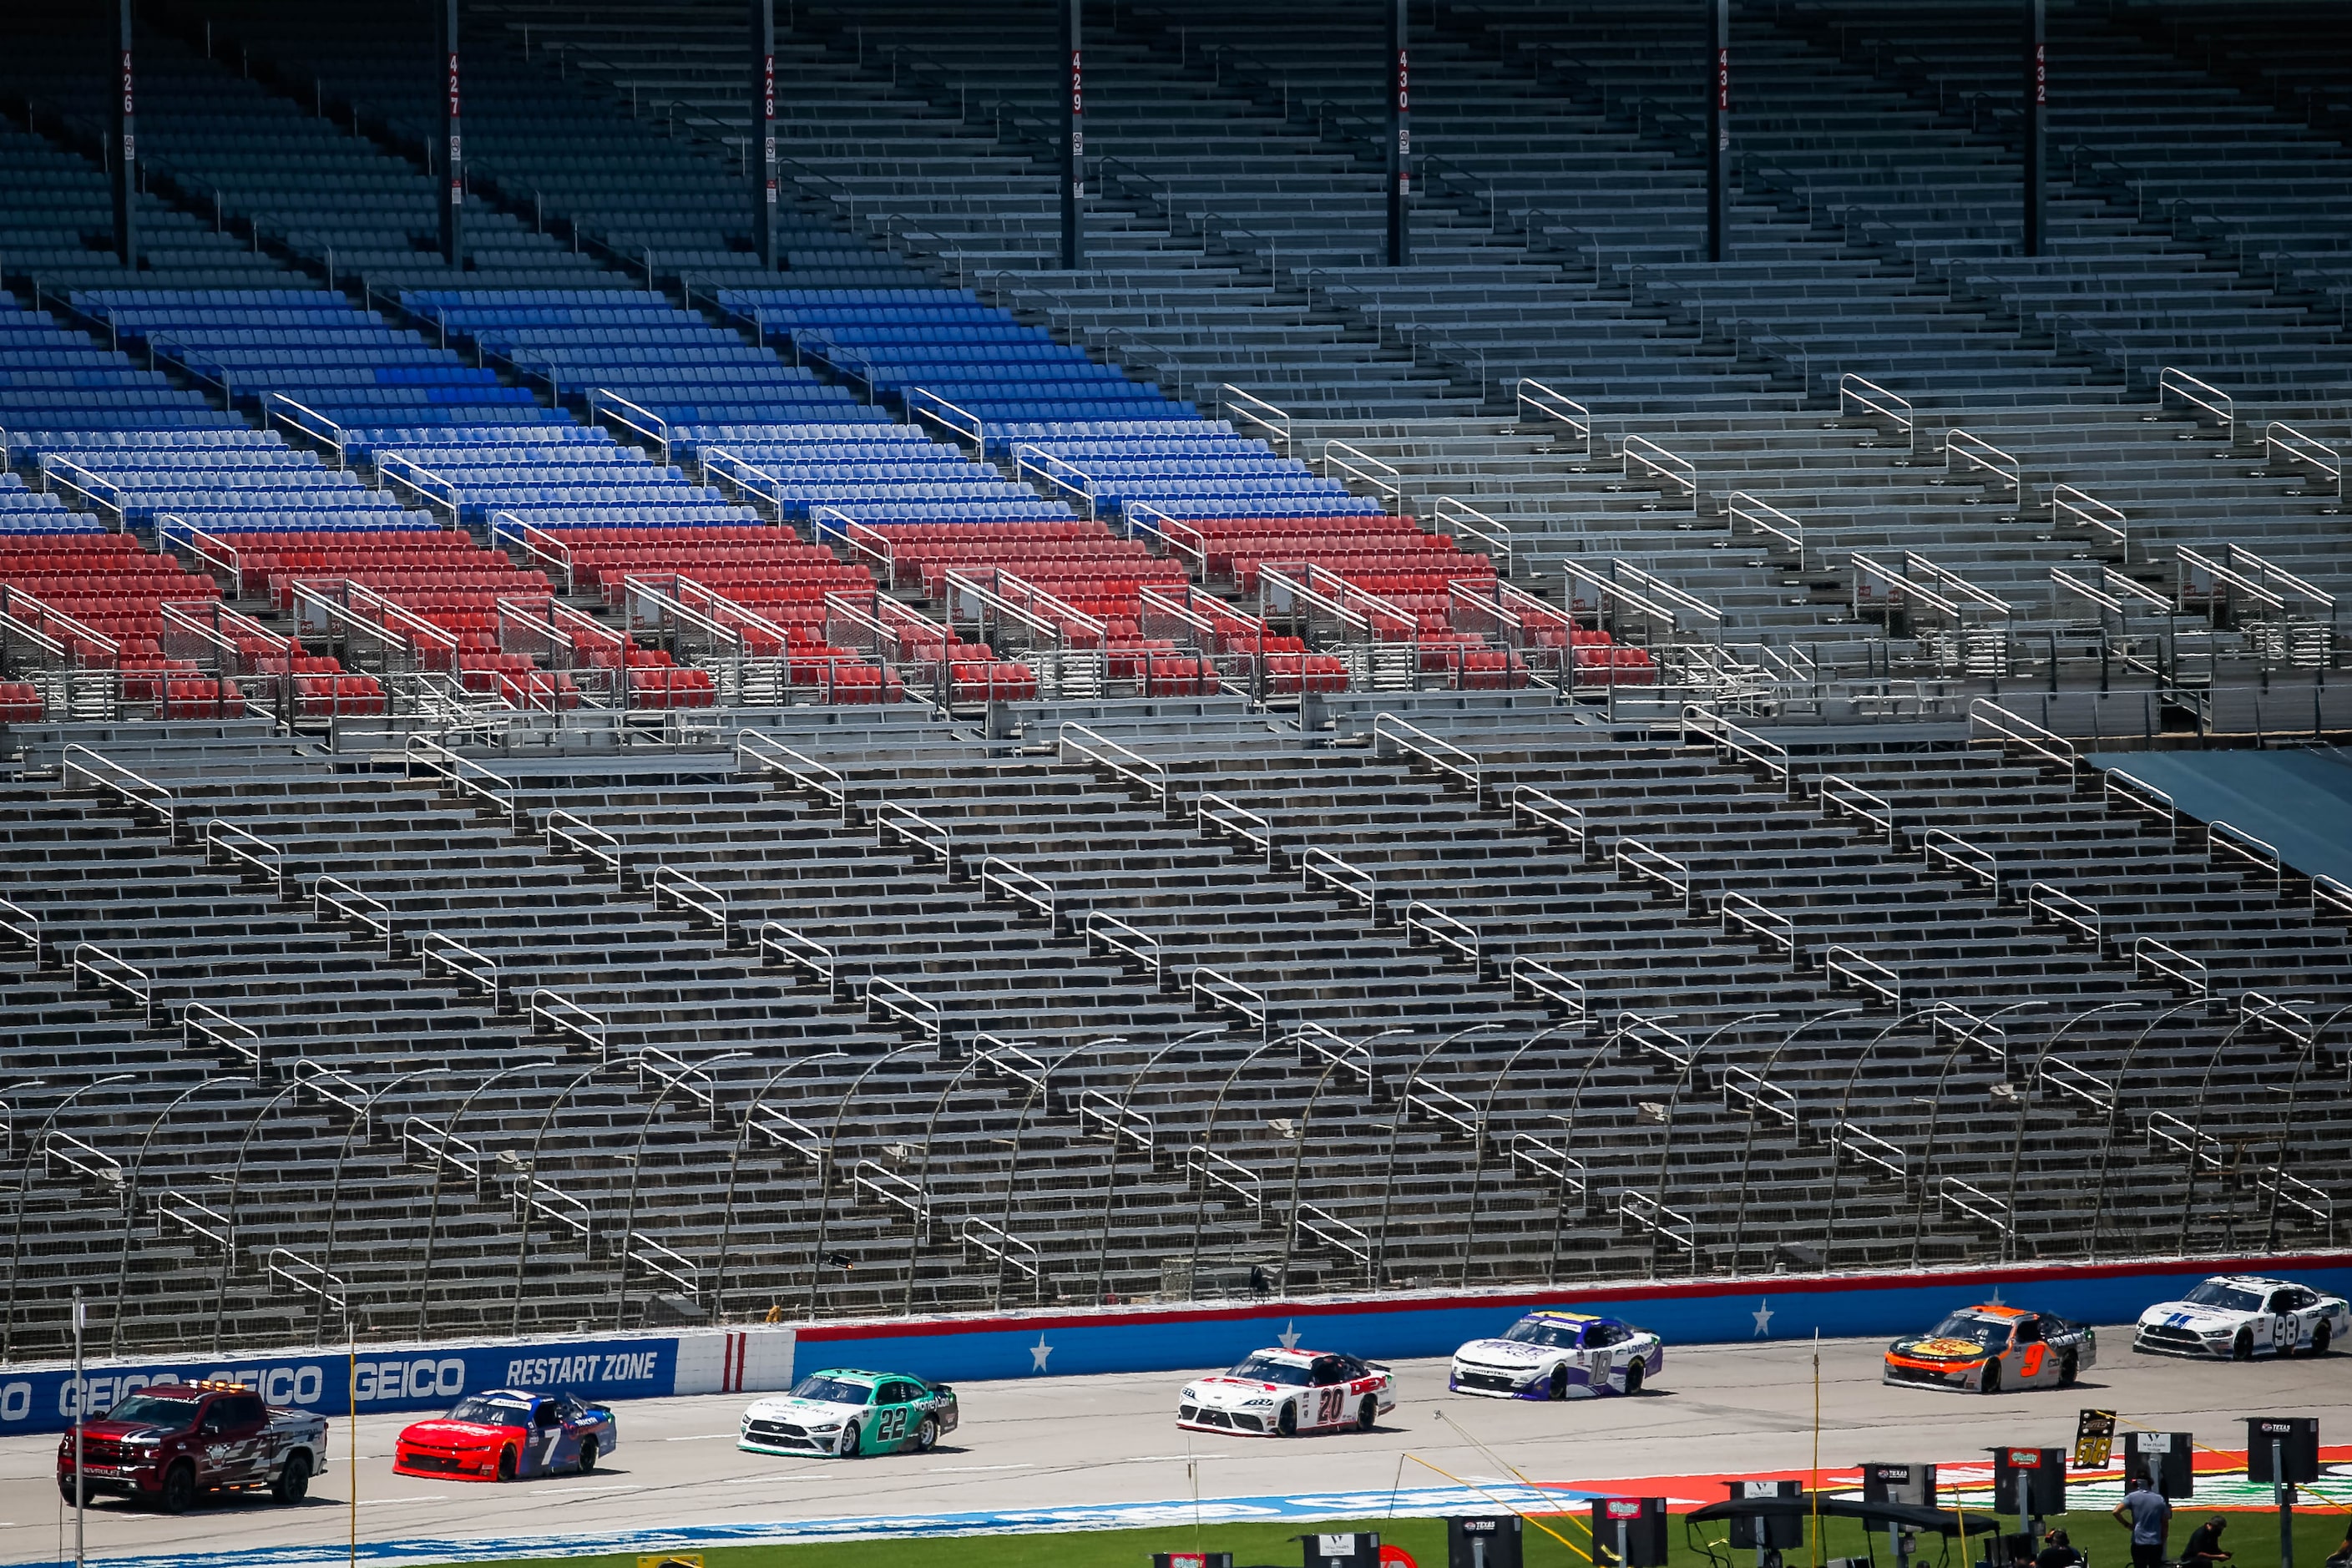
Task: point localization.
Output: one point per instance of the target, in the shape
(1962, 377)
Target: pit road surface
(1046, 1442)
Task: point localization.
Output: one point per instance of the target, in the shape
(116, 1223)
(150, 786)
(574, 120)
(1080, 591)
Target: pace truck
(170, 1443)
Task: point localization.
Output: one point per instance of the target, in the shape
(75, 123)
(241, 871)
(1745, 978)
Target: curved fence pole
(1110, 1179)
(923, 1182)
(1837, 1183)
(1567, 1152)
(34, 1160)
(1298, 1158)
(734, 1165)
(2196, 1131)
(2294, 1086)
(637, 1172)
(1486, 1119)
(2026, 1092)
(1756, 1115)
(1041, 1088)
(366, 1118)
(1935, 1120)
(1666, 1133)
(2115, 1114)
(1208, 1137)
(825, 1176)
(440, 1166)
(131, 1190)
(1374, 1267)
(236, 1185)
(531, 1173)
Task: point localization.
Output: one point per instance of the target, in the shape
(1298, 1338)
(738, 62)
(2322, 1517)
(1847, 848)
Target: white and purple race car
(1552, 1354)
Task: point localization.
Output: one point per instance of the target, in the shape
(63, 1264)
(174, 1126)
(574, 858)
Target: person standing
(2150, 1515)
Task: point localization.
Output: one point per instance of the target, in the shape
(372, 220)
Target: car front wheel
(848, 1450)
(1991, 1383)
(1633, 1378)
(2066, 1369)
(180, 1487)
(506, 1464)
(1287, 1422)
(927, 1435)
(1369, 1416)
(2243, 1347)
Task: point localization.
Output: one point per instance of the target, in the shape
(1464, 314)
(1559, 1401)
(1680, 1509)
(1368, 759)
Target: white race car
(1551, 1354)
(1280, 1394)
(2242, 1316)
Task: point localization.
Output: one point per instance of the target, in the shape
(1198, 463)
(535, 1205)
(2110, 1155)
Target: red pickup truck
(172, 1442)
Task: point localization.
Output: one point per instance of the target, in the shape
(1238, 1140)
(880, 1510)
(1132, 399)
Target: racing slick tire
(1557, 1390)
(2066, 1369)
(1287, 1424)
(2243, 1347)
(1991, 1383)
(2319, 1337)
(587, 1456)
(1633, 1378)
(179, 1493)
(293, 1482)
(506, 1464)
(849, 1438)
(927, 1435)
(1368, 1414)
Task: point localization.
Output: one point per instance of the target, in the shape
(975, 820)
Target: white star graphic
(1995, 1300)
(1289, 1335)
(1763, 1316)
(1038, 1352)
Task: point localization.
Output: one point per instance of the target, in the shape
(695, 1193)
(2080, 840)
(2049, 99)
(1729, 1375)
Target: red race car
(506, 1434)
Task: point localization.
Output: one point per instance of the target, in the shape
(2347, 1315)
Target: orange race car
(1985, 1349)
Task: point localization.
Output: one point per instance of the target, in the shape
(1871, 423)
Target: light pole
(363, 1118)
(1666, 1133)
(236, 1183)
(2025, 1093)
(440, 1166)
(1299, 1153)
(637, 1172)
(1013, 1169)
(1378, 1263)
(2115, 1112)
(1756, 1115)
(735, 1163)
(1208, 1137)
(1935, 1117)
(922, 1214)
(529, 1178)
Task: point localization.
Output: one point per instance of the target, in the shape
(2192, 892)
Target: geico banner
(424, 1377)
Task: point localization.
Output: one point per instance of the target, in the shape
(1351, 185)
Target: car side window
(548, 1414)
(895, 1393)
(2028, 1332)
(1326, 1372)
(1352, 1369)
(2302, 1299)
(2280, 1301)
(240, 1410)
(1600, 1335)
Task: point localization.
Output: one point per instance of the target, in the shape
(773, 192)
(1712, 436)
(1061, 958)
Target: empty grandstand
(593, 741)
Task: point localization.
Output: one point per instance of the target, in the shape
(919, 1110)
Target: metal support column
(1074, 137)
(759, 154)
(2037, 120)
(1718, 128)
(123, 123)
(1400, 137)
(452, 151)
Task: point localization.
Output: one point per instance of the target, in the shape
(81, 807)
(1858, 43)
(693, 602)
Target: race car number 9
(2033, 1363)
(1327, 1409)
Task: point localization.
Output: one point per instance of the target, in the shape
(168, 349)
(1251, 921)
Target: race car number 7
(1327, 1407)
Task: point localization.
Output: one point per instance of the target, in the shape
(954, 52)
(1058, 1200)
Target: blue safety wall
(1138, 1339)
(2300, 803)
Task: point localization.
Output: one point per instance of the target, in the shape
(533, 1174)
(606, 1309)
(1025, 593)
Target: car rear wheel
(587, 1456)
(2319, 1337)
(1633, 1378)
(293, 1482)
(506, 1464)
(848, 1450)
(180, 1487)
(2066, 1368)
(927, 1435)
(1287, 1422)
(1368, 1414)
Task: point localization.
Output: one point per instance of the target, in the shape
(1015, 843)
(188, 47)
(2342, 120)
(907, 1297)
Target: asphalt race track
(1053, 1443)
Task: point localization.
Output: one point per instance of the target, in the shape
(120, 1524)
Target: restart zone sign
(46, 1400)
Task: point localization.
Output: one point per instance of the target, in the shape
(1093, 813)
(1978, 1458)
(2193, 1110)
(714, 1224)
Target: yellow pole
(1490, 1497)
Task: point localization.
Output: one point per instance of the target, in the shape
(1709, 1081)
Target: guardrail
(2013, 728)
(2151, 956)
(1762, 1097)
(278, 408)
(332, 896)
(1634, 858)
(1938, 847)
(789, 1132)
(1981, 456)
(927, 407)
(1131, 767)
(1427, 923)
(2171, 383)
(462, 962)
(887, 1189)
(1842, 794)
(1386, 480)
(1847, 1142)
(911, 827)
(2064, 910)
(108, 974)
(2202, 1148)
(1214, 815)
(1875, 402)
(197, 1218)
(1449, 760)
(1549, 1163)
(1117, 936)
(663, 1263)
(303, 1276)
(1975, 1202)
(228, 842)
(895, 1002)
(1531, 397)
(2137, 795)
(1016, 1062)
(1551, 813)
(1768, 519)
(1459, 520)
(1769, 926)
(1208, 1170)
(1029, 459)
(1845, 966)
(757, 750)
(84, 1159)
(2073, 508)
(464, 777)
(1017, 886)
(109, 777)
(1735, 741)
(2330, 897)
(1350, 881)
(1324, 1228)
(1211, 992)
(17, 921)
(1539, 979)
(672, 888)
(1657, 463)
(209, 1027)
(2284, 441)
(1258, 412)
(2295, 1192)
(991, 1240)
(566, 831)
(1116, 1121)
(1645, 1212)
(606, 403)
(676, 1073)
(1650, 1035)
(2223, 839)
(548, 1010)
(782, 944)
(1966, 1029)
(2060, 1077)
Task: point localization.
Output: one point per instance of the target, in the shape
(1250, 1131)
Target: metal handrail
(1443, 755)
(583, 838)
(1769, 925)
(1671, 610)
(83, 1158)
(923, 405)
(1975, 1202)
(1840, 793)
(1844, 965)
(1027, 455)
(1277, 426)
(1133, 766)
(753, 747)
(298, 1273)
(465, 777)
(196, 1217)
(1386, 479)
(1117, 936)
(1541, 979)
(2330, 897)
(1647, 1213)
(2284, 440)
(2298, 1193)
(202, 1024)
(331, 893)
(1978, 454)
(2172, 383)
(1209, 1169)
(1878, 403)
(1937, 846)
(109, 776)
(895, 1001)
(1005, 1249)
(2008, 726)
(396, 468)
(2044, 901)
(1440, 1104)
(1322, 1226)
(1457, 519)
(2201, 1147)
(2174, 966)
(1019, 887)
(789, 947)
(1845, 1140)
(230, 842)
(1214, 813)
(462, 962)
(919, 832)
(671, 886)
(1211, 991)
(1740, 507)
(1012, 1061)
(1634, 858)
(1116, 1120)
(1540, 1157)
(24, 925)
(1322, 866)
(1427, 920)
(2063, 1077)
(277, 407)
(891, 1190)
(664, 1263)
(786, 1132)
(606, 403)
(1530, 394)
(1553, 814)
(1652, 1035)
(551, 1012)
(1966, 1029)
(108, 973)
(1661, 464)
(2221, 838)
(1745, 744)
(1762, 1097)
(2070, 506)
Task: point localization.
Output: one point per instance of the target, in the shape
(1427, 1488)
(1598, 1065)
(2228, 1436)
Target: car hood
(1929, 1348)
(793, 1408)
(1505, 1353)
(2192, 1316)
(123, 1431)
(457, 1432)
(1224, 1392)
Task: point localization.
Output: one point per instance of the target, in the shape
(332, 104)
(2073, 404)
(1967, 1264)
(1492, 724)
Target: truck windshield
(150, 1411)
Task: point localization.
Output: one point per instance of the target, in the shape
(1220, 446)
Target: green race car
(846, 1413)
